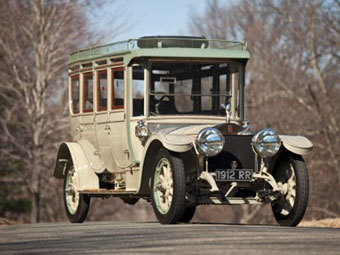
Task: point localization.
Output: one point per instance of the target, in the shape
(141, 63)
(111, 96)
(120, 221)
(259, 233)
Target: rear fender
(72, 153)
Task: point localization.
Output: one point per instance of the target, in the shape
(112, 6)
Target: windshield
(193, 88)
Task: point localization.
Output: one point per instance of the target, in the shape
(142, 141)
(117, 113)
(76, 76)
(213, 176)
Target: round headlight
(210, 142)
(266, 143)
(141, 130)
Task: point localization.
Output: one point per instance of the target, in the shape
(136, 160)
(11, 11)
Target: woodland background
(293, 86)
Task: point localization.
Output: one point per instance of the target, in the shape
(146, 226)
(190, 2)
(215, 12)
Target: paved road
(146, 238)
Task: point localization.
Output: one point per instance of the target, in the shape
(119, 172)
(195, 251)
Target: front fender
(297, 144)
(172, 142)
(175, 143)
(72, 153)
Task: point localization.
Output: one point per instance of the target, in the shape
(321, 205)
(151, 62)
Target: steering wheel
(161, 100)
(164, 96)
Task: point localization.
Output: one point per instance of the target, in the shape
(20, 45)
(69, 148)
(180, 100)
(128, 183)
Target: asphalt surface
(153, 238)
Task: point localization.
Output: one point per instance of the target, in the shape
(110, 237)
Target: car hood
(190, 130)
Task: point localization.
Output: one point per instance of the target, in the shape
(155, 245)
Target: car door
(110, 119)
(74, 103)
(118, 130)
(101, 117)
(87, 117)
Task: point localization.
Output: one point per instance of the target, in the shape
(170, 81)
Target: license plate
(234, 174)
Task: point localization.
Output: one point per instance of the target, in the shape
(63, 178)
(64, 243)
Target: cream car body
(118, 127)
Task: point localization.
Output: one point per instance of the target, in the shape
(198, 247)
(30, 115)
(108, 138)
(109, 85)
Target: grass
(4, 221)
(325, 223)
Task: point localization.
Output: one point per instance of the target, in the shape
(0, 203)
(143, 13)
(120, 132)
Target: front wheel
(168, 187)
(76, 205)
(188, 214)
(292, 178)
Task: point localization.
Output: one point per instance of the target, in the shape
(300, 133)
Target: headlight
(210, 142)
(141, 130)
(266, 143)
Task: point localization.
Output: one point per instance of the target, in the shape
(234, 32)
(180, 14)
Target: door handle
(80, 128)
(108, 129)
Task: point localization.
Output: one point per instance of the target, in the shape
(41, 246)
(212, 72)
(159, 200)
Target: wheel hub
(163, 185)
(71, 193)
(286, 181)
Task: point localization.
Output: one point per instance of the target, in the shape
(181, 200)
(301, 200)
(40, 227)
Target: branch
(324, 210)
(292, 94)
(12, 139)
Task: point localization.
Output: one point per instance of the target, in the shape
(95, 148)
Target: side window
(206, 90)
(138, 90)
(102, 90)
(117, 89)
(75, 93)
(224, 89)
(183, 99)
(88, 92)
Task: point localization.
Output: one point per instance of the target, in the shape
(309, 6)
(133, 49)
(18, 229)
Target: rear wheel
(292, 178)
(168, 187)
(76, 205)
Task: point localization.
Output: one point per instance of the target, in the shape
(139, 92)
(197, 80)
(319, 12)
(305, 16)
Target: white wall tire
(76, 205)
(168, 187)
(292, 178)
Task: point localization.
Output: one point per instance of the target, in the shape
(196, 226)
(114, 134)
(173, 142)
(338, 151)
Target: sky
(149, 17)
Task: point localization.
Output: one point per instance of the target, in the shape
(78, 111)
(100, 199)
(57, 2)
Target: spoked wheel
(292, 178)
(76, 205)
(168, 187)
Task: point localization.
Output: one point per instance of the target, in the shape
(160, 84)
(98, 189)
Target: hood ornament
(233, 164)
(227, 111)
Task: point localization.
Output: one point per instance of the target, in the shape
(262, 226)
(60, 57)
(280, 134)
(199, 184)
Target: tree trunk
(36, 184)
(35, 212)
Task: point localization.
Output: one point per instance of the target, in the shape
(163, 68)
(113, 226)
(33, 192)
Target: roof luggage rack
(172, 41)
(154, 42)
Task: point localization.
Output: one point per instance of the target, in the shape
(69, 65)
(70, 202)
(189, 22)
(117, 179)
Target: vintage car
(163, 119)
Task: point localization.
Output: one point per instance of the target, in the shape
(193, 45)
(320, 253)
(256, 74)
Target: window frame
(145, 90)
(73, 77)
(113, 106)
(102, 109)
(83, 89)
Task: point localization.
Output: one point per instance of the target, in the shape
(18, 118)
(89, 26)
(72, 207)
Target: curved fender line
(86, 177)
(175, 143)
(178, 143)
(297, 144)
(90, 152)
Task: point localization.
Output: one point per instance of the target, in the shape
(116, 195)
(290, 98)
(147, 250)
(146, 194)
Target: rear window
(102, 91)
(88, 93)
(75, 93)
(118, 89)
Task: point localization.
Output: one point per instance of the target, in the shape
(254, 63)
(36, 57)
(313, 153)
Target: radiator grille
(236, 148)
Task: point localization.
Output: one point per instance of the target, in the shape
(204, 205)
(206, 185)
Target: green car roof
(173, 47)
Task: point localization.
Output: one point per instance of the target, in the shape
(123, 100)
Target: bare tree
(35, 38)
(293, 77)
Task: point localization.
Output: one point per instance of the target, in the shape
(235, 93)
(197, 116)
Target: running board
(229, 201)
(110, 192)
